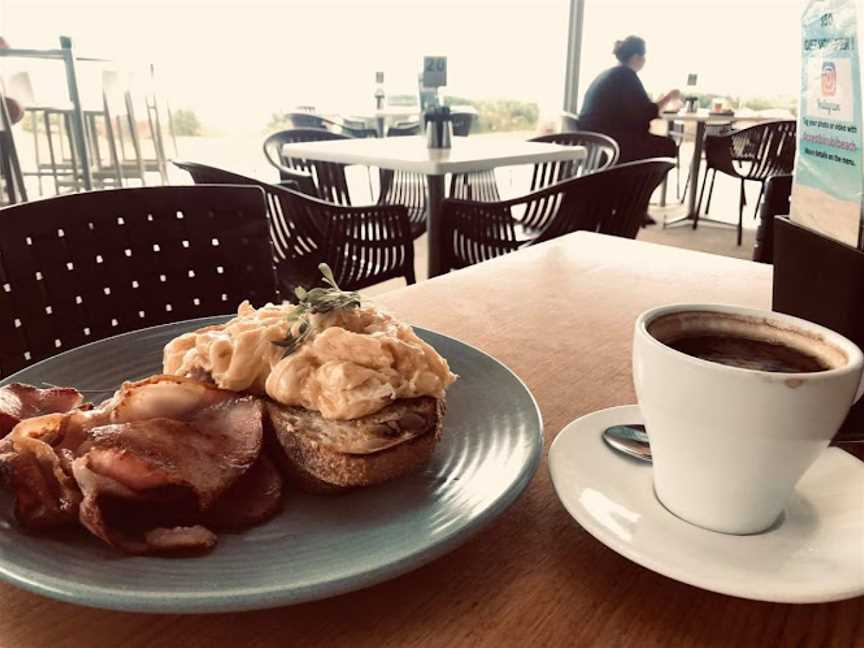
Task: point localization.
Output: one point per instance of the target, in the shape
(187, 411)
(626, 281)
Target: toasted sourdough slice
(325, 456)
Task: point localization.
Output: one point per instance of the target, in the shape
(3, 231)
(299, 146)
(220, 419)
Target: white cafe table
(411, 154)
(702, 118)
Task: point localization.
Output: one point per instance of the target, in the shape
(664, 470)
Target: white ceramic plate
(814, 554)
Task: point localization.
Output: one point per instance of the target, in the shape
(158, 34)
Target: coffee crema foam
(672, 327)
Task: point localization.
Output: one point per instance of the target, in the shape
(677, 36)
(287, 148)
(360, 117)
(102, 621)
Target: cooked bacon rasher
(148, 469)
(19, 402)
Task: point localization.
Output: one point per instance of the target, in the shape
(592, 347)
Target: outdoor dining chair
(363, 245)
(677, 133)
(462, 123)
(404, 187)
(82, 267)
(601, 152)
(776, 202)
(612, 201)
(296, 240)
(756, 153)
(328, 177)
(404, 129)
(304, 119)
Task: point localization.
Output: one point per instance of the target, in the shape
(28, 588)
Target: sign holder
(821, 279)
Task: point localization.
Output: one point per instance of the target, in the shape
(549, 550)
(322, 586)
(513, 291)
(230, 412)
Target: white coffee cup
(729, 444)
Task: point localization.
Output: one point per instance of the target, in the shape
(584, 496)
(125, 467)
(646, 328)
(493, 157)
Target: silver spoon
(630, 440)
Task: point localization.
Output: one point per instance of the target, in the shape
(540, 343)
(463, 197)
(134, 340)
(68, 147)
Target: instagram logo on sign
(829, 79)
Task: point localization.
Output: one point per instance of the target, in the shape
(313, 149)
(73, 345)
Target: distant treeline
(500, 115)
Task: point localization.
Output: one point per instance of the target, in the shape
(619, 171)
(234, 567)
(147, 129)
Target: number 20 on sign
(434, 71)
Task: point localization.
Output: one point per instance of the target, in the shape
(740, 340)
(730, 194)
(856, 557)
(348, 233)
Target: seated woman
(617, 105)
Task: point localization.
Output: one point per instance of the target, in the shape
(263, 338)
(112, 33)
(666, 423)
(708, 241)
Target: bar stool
(142, 97)
(54, 114)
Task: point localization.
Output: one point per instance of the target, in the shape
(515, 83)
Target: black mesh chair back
(329, 178)
(297, 241)
(204, 174)
(363, 245)
(613, 201)
(83, 267)
(778, 193)
(601, 152)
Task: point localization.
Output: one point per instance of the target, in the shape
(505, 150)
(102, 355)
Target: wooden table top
(560, 315)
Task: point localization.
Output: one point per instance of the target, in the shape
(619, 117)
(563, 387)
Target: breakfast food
(355, 396)
(329, 354)
(324, 456)
(144, 470)
(329, 392)
(19, 402)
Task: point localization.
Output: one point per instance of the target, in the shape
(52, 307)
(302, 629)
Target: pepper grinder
(439, 128)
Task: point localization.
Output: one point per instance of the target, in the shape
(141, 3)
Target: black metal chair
(404, 129)
(756, 153)
(676, 132)
(78, 268)
(612, 201)
(297, 242)
(404, 187)
(303, 119)
(328, 177)
(601, 152)
(462, 123)
(778, 193)
(363, 245)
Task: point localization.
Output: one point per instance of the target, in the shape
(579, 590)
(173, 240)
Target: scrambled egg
(353, 363)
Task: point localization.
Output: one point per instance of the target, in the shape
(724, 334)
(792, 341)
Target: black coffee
(748, 354)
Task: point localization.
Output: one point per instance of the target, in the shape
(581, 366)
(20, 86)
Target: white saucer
(814, 554)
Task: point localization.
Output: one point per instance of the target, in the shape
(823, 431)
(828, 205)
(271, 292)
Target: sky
(235, 63)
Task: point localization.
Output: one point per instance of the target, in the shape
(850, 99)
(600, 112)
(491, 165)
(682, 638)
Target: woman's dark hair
(631, 46)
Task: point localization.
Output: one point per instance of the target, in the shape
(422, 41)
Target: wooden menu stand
(821, 280)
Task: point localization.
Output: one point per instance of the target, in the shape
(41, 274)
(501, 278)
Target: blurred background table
(702, 119)
(411, 154)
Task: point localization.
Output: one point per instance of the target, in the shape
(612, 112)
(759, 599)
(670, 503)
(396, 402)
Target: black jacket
(616, 104)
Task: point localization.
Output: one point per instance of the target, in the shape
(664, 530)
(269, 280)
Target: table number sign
(829, 178)
(434, 71)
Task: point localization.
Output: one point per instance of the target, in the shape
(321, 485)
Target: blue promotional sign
(829, 177)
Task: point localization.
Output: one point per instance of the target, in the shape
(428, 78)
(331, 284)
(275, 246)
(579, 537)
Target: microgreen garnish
(317, 300)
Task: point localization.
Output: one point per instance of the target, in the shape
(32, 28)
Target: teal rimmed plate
(318, 546)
